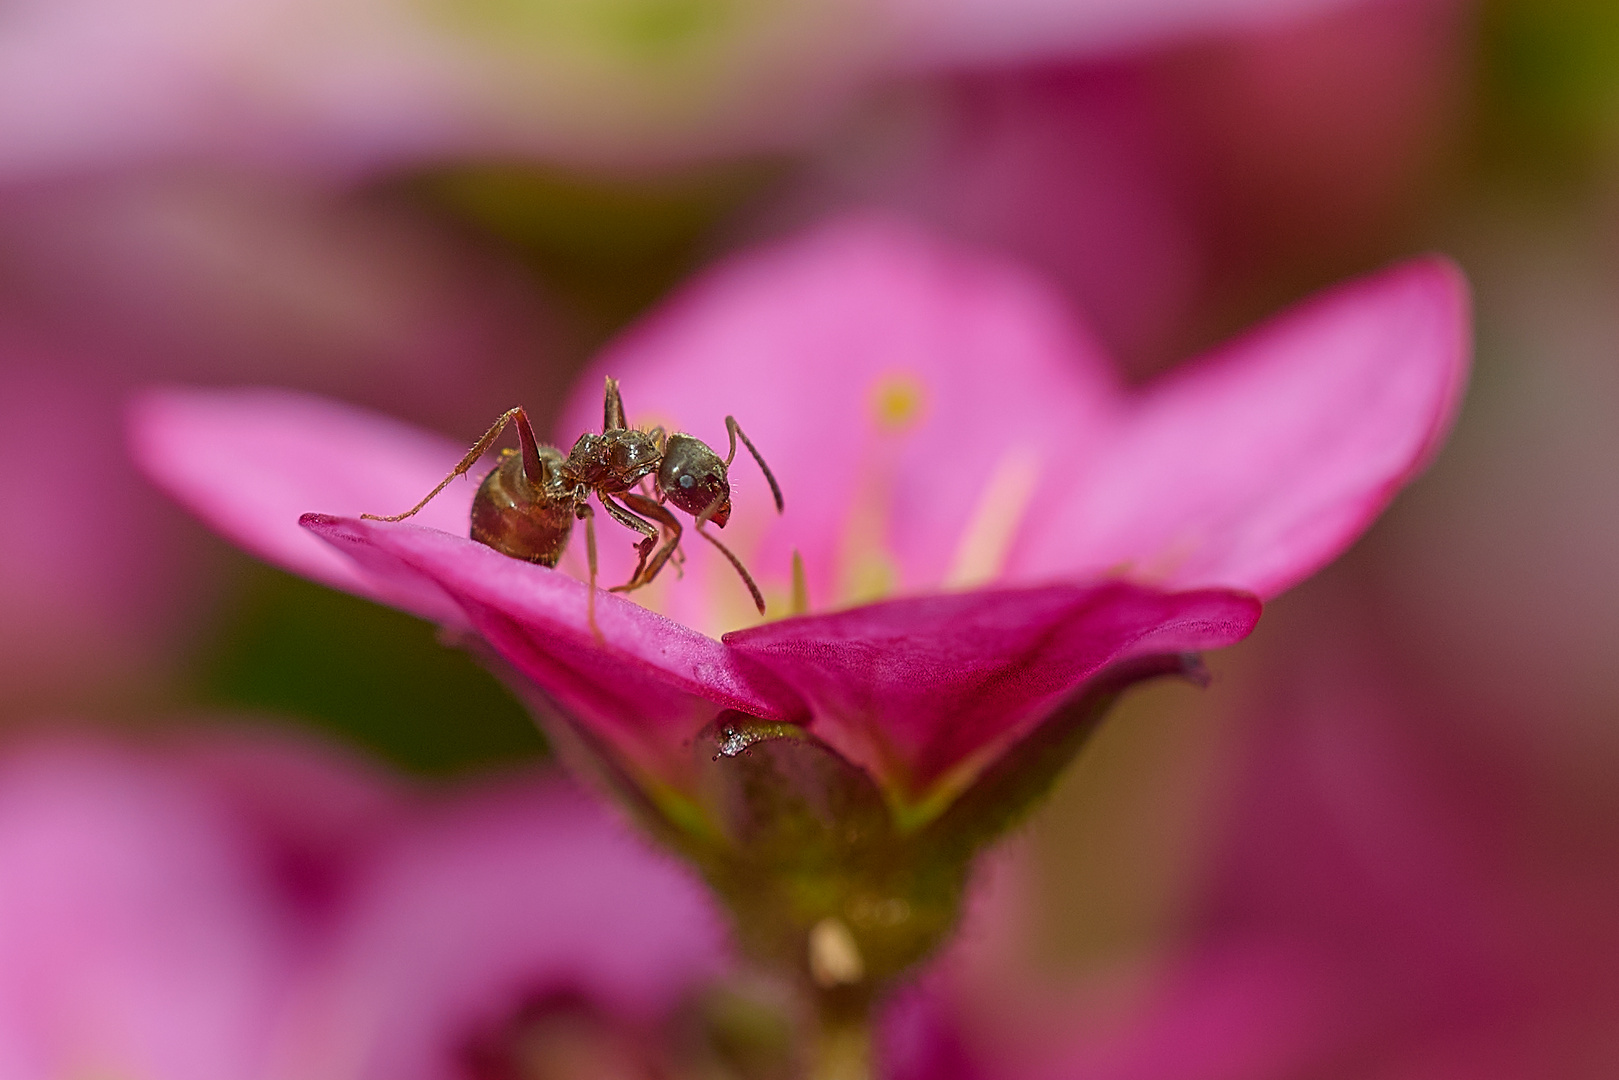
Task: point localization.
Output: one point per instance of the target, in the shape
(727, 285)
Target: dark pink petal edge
(649, 683)
(924, 691)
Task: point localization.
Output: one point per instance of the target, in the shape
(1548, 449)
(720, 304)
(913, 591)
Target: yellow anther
(800, 605)
(897, 402)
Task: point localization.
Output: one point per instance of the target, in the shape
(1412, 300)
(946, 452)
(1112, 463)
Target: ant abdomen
(528, 518)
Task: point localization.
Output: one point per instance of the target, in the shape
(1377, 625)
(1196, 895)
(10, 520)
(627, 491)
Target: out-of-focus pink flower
(1388, 892)
(471, 927)
(987, 519)
(148, 922)
(1166, 191)
(249, 907)
(969, 33)
(363, 83)
(187, 274)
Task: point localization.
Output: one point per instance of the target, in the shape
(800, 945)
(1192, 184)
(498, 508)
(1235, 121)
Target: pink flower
(154, 917)
(1166, 189)
(989, 524)
(160, 920)
(503, 913)
(367, 83)
(964, 33)
(1389, 892)
(118, 282)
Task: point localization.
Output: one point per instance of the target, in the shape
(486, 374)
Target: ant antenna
(735, 430)
(747, 578)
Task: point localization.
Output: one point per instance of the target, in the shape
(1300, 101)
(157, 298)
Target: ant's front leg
(659, 513)
(644, 548)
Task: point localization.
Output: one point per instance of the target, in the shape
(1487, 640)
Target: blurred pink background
(1384, 842)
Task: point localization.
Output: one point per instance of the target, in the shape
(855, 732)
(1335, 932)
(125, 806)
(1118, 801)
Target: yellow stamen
(987, 540)
(897, 402)
(800, 604)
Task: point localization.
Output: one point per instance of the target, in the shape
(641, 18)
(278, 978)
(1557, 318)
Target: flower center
(868, 568)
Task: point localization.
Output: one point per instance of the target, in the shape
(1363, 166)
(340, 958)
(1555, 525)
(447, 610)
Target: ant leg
(648, 486)
(630, 521)
(590, 559)
(613, 408)
(736, 432)
(479, 448)
(659, 513)
(747, 578)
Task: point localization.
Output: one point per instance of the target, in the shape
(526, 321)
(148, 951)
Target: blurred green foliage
(607, 246)
(1549, 84)
(639, 31)
(371, 676)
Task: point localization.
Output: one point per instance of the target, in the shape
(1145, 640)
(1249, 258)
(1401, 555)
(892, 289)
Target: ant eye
(687, 480)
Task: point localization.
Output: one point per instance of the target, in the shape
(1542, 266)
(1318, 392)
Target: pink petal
(489, 905)
(313, 812)
(798, 342)
(1257, 465)
(915, 689)
(1250, 469)
(984, 32)
(136, 937)
(251, 462)
(81, 575)
(648, 684)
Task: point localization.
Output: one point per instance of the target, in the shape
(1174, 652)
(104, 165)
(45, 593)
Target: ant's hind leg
(478, 450)
(734, 429)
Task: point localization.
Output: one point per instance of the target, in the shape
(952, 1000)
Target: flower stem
(842, 1049)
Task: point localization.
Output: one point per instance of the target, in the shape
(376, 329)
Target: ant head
(693, 478)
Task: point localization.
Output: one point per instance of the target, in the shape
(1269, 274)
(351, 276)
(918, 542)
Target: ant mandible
(528, 503)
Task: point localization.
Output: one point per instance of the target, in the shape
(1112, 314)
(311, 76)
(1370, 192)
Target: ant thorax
(613, 461)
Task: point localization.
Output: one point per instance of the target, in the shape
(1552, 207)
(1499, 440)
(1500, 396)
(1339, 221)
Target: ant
(528, 503)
